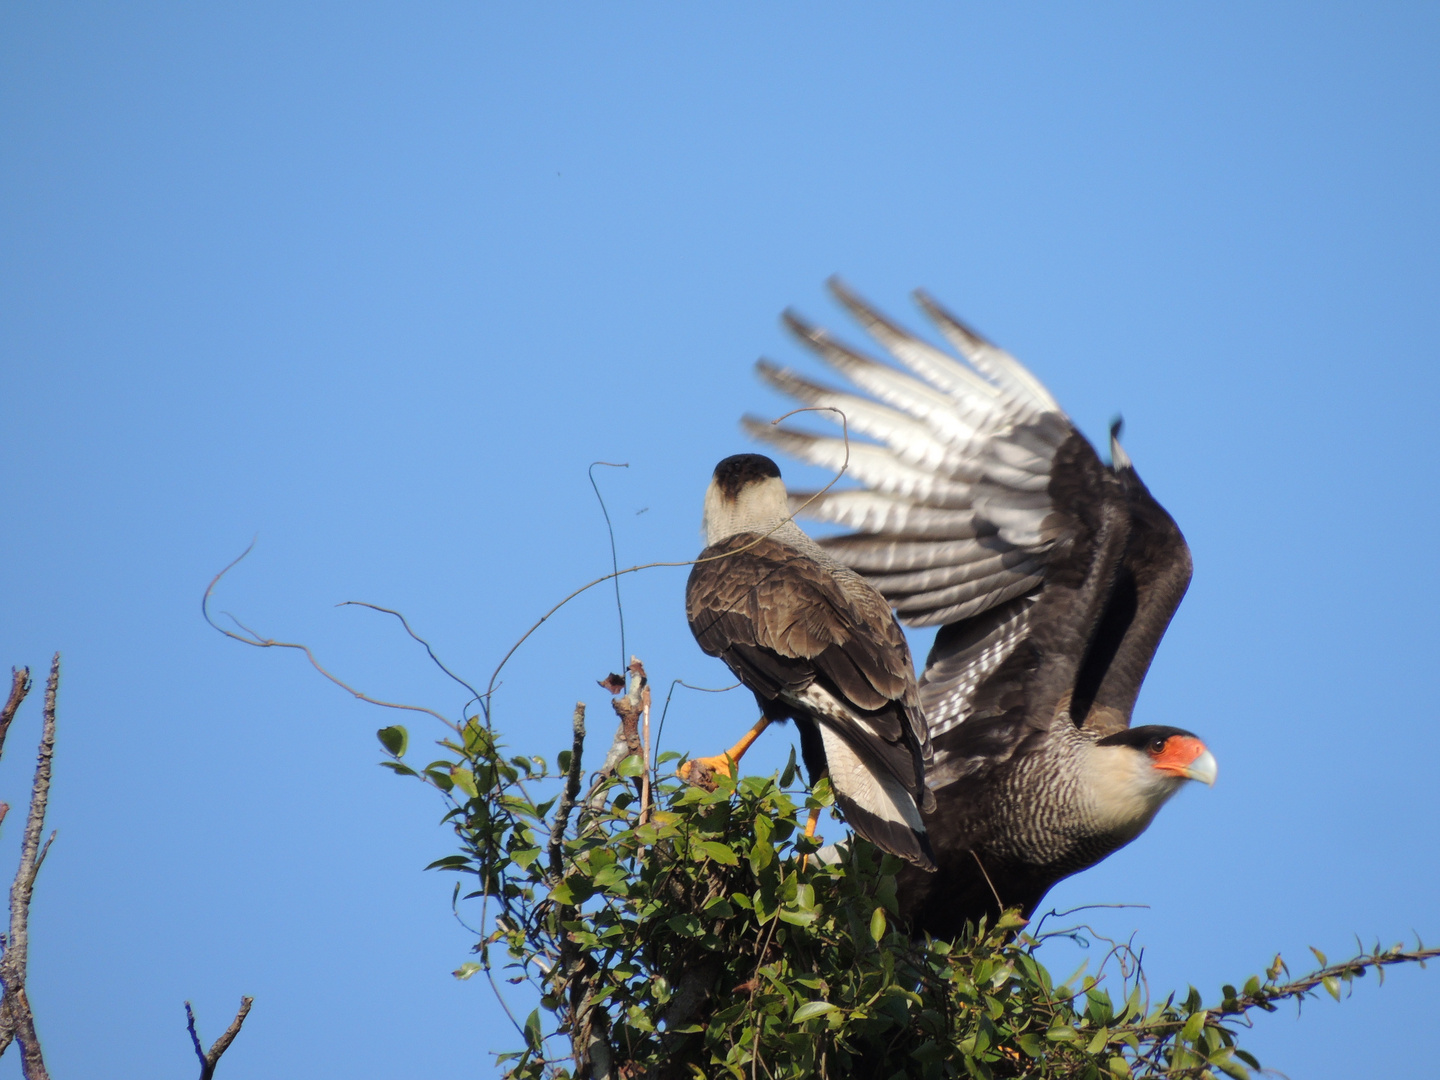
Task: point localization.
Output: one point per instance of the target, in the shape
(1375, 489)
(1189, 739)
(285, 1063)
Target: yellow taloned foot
(702, 771)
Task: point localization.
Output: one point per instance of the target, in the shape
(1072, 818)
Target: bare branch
(665, 709)
(19, 687)
(614, 558)
(18, 1017)
(645, 755)
(210, 1058)
(627, 741)
(406, 624)
(567, 800)
(845, 465)
(250, 637)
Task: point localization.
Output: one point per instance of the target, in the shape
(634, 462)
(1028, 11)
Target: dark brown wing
(1153, 576)
(984, 511)
(781, 621)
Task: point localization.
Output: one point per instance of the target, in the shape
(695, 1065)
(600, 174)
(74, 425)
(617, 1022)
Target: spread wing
(782, 622)
(983, 511)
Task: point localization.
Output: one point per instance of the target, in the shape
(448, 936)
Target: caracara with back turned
(814, 642)
(1051, 576)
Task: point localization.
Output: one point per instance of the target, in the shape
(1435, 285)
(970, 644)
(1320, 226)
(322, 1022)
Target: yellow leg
(700, 770)
(810, 824)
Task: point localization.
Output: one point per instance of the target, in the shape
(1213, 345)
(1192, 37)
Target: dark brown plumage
(818, 644)
(1052, 577)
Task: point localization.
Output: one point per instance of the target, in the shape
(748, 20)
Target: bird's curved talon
(702, 771)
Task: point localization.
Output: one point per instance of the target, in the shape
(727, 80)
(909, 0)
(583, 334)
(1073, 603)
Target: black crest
(737, 471)
(1141, 737)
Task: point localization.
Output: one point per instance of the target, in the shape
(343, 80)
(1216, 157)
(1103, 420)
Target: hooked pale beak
(1203, 768)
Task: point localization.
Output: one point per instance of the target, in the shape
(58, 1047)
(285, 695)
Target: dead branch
(567, 800)
(614, 557)
(210, 1058)
(628, 741)
(645, 756)
(19, 687)
(573, 975)
(250, 637)
(18, 1021)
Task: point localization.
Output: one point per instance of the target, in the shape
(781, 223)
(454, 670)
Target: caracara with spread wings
(816, 643)
(1052, 577)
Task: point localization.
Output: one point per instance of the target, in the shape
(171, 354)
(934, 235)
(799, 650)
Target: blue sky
(379, 283)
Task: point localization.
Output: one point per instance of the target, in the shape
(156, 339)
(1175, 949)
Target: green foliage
(698, 936)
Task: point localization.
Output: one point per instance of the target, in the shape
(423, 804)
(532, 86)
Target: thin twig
(645, 755)
(270, 643)
(1266, 995)
(665, 709)
(614, 557)
(993, 892)
(403, 622)
(490, 688)
(17, 945)
(209, 1059)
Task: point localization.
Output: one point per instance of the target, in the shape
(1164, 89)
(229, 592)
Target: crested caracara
(816, 643)
(1051, 576)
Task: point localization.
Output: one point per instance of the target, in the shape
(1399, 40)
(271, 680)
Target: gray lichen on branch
(17, 1019)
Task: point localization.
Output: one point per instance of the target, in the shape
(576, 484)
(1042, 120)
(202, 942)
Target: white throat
(1125, 791)
(760, 507)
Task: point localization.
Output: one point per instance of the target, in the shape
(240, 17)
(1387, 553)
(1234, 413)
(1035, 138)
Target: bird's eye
(1157, 746)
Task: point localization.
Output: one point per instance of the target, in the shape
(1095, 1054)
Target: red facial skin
(1178, 753)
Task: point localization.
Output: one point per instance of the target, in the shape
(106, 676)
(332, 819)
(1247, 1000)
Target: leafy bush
(673, 931)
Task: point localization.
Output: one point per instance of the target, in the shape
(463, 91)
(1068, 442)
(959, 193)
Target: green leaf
(788, 776)
(465, 970)
(877, 925)
(812, 1009)
(632, 766)
(761, 856)
(395, 739)
(450, 862)
(763, 829)
(464, 779)
(721, 853)
(1332, 984)
(532, 1031)
(1191, 1031)
(798, 918)
(719, 907)
(1229, 1066)
(1032, 1045)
